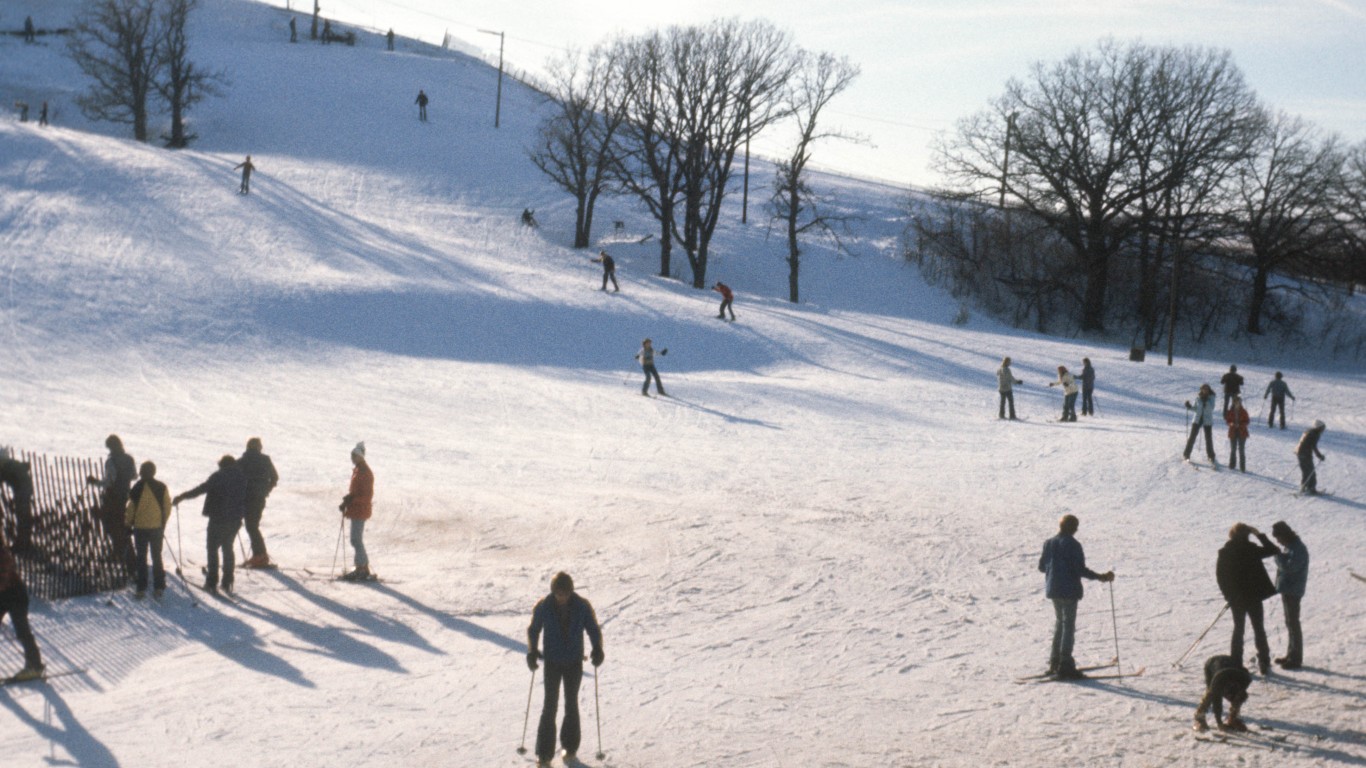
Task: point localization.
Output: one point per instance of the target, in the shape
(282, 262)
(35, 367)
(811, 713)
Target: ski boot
(29, 672)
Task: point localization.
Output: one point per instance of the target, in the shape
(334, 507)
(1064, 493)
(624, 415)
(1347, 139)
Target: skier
(559, 621)
(646, 356)
(30, 34)
(355, 507)
(247, 168)
(1278, 390)
(225, 503)
(149, 507)
(609, 270)
(421, 105)
(1244, 584)
(1306, 450)
(1292, 574)
(529, 218)
(1088, 387)
(42, 114)
(1202, 421)
(1225, 678)
(327, 31)
(1063, 564)
(1233, 385)
(390, 38)
(259, 472)
(1069, 388)
(1237, 419)
(293, 31)
(18, 475)
(14, 601)
(727, 296)
(119, 471)
(1004, 384)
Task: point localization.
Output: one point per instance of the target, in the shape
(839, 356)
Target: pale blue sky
(928, 63)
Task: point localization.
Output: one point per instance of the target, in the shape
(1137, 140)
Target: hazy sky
(927, 63)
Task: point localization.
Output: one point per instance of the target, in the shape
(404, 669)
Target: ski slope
(821, 550)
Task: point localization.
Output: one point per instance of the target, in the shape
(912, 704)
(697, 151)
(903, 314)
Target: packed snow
(821, 550)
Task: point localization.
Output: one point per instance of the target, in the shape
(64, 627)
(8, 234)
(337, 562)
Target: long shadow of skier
(378, 626)
(454, 623)
(67, 731)
(328, 641)
(236, 640)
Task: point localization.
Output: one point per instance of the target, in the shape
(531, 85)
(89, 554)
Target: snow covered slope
(822, 550)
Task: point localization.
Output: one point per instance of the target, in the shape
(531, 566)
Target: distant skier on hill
(1063, 564)
(1088, 387)
(1237, 419)
(1305, 452)
(646, 356)
(390, 38)
(247, 167)
(1278, 390)
(1226, 679)
(421, 102)
(609, 270)
(1005, 381)
(1233, 385)
(727, 298)
(558, 623)
(1203, 421)
(1069, 389)
(293, 31)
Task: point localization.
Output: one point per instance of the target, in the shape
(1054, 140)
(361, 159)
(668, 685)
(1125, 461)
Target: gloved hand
(596, 657)
(531, 658)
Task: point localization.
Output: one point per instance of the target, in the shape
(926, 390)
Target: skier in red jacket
(726, 298)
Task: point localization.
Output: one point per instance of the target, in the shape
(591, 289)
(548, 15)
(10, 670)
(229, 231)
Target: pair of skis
(1051, 677)
(46, 676)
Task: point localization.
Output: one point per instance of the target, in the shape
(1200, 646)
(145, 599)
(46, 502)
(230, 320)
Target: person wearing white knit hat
(356, 508)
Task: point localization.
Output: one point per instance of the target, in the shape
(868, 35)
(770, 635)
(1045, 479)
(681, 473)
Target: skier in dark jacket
(18, 475)
(609, 270)
(1244, 584)
(1278, 390)
(1225, 679)
(1292, 576)
(1088, 388)
(119, 473)
(247, 167)
(1233, 384)
(1063, 564)
(421, 102)
(225, 504)
(14, 601)
(261, 477)
(1307, 449)
(558, 623)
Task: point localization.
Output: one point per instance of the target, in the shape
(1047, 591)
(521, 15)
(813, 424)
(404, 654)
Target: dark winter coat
(260, 474)
(1088, 377)
(9, 570)
(18, 476)
(1292, 569)
(1240, 574)
(1309, 444)
(1278, 390)
(225, 495)
(561, 636)
(120, 471)
(1063, 564)
(1225, 677)
(1233, 383)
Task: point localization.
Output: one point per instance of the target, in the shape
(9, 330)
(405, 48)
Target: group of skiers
(1006, 381)
(1242, 581)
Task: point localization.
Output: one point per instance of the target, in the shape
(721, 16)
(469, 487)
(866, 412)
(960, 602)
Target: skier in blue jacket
(558, 623)
(1063, 564)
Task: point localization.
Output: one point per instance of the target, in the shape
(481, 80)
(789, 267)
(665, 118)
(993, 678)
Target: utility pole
(744, 204)
(313, 35)
(498, 105)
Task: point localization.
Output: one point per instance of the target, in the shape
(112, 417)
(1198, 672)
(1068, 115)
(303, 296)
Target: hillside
(821, 550)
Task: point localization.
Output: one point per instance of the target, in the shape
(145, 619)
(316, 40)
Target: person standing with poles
(225, 504)
(1063, 564)
(356, 507)
(1244, 584)
(1088, 388)
(1305, 452)
(247, 167)
(1005, 381)
(149, 508)
(421, 102)
(1203, 421)
(1233, 385)
(646, 356)
(119, 472)
(1237, 419)
(558, 623)
(609, 270)
(1292, 575)
(1278, 391)
(14, 601)
(261, 478)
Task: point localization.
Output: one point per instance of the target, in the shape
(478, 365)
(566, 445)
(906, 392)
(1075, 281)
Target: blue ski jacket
(1063, 564)
(562, 642)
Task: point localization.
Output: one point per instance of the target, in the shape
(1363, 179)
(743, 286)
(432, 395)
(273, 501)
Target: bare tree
(114, 42)
(575, 144)
(179, 81)
(818, 79)
(1286, 208)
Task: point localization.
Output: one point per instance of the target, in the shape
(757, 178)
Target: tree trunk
(1254, 310)
(581, 221)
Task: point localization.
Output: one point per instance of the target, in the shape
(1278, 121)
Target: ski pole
(527, 717)
(188, 592)
(241, 546)
(597, 711)
(179, 545)
(336, 550)
(1114, 622)
(1177, 663)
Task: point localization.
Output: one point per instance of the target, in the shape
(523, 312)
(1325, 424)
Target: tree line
(661, 117)
(1139, 184)
(137, 52)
